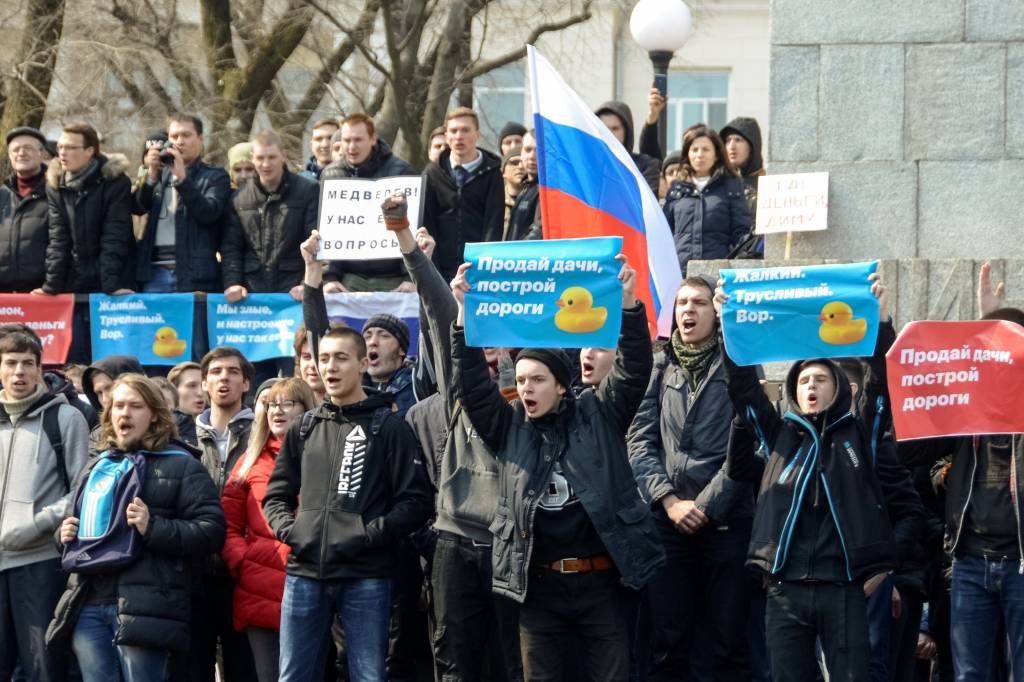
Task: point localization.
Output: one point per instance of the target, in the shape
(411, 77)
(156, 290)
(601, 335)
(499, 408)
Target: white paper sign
(792, 203)
(350, 222)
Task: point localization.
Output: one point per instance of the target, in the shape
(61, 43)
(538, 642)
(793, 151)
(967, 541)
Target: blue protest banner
(262, 326)
(155, 328)
(799, 312)
(354, 309)
(554, 293)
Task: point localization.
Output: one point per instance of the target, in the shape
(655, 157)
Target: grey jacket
(467, 483)
(678, 441)
(34, 501)
(594, 460)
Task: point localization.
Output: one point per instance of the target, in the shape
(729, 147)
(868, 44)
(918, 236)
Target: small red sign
(957, 378)
(48, 316)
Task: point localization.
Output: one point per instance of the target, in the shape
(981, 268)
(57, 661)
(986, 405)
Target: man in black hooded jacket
(742, 139)
(836, 513)
(619, 119)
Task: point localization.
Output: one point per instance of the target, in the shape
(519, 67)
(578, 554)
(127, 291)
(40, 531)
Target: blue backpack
(105, 541)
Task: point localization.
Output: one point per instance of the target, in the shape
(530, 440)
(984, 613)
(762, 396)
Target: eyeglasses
(69, 147)
(284, 405)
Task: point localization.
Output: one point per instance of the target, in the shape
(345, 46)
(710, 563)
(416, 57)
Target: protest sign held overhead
(795, 313)
(155, 328)
(350, 221)
(262, 326)
(47, 316)
(956, 378)
(559, 293)
(792, 203)
(354, 309)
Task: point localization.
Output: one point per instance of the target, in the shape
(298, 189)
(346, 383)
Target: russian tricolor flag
(590, 187)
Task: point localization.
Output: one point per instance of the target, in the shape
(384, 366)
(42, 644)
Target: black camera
(166, 157)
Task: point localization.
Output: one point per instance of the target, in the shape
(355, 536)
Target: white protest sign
(792, 203)
(350, 221)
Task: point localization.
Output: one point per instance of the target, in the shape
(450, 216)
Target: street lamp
(661, 27)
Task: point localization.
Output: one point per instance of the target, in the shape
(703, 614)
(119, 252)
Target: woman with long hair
(124, 622)
(706, 207)
(252, 552)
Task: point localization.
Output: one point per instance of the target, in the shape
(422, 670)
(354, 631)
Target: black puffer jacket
(203, 198)
(342, 494)
(594, 462)
(707, 223)
(454, 216)
(649, 166)
(260, 248)
(92, 246)
(186, 521)
(678, 440)
(24, 233)
(831, 457)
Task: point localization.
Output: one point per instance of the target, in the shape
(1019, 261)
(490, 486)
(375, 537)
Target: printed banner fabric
(47, 316)
(555, 293)
(155, 328)
(799, 312)
(262, 326)
(957, 378)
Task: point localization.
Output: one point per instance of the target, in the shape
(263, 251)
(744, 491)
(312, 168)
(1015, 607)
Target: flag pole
(789, 246)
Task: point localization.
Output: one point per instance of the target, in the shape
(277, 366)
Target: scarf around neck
(694, 358)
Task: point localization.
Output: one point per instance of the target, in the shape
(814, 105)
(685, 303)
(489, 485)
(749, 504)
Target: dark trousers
(408, 645)
(28, 596)
(699, 604)
(475, 628)
(594, 609)
(799, 613)
(212, 625)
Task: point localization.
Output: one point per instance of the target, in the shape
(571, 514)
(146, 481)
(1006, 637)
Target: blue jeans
(984, 593)
(363, 605)
(102, 661)
(163, 281)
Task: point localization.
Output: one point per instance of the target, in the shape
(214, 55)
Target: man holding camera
(186, 200)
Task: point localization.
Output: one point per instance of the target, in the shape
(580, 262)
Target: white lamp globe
(661, 25)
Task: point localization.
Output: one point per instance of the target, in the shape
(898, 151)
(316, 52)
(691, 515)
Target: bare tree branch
(480, 68)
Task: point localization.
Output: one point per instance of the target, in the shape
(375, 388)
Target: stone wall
(916, 109)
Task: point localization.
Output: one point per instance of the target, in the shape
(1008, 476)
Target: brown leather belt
(598, 562)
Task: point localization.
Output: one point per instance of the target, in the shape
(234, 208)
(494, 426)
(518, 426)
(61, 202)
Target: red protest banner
(956, 378)
(48, 316)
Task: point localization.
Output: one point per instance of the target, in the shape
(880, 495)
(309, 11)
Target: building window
(499, 97)
(696, 97)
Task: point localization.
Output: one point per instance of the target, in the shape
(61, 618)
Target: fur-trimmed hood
(109, 167)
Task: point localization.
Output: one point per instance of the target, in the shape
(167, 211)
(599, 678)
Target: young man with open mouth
(572, 537)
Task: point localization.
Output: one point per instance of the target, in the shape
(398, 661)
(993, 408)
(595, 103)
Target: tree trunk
(37, 57)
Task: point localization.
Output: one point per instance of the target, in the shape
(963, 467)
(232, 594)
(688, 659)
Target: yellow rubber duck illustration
(838, 326)
(577, 314)
(167, 344)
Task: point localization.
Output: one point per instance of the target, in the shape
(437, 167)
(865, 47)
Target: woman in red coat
(252, 553)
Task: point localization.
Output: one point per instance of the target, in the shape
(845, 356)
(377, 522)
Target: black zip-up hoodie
(830, 460)
(341, 495)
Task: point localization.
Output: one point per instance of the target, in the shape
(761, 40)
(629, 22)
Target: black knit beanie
(392, 325)
(554, 359)
(511, 128)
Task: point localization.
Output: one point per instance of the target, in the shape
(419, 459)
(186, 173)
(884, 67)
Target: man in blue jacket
(186, 200)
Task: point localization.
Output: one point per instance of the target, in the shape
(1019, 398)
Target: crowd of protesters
(351, 512)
